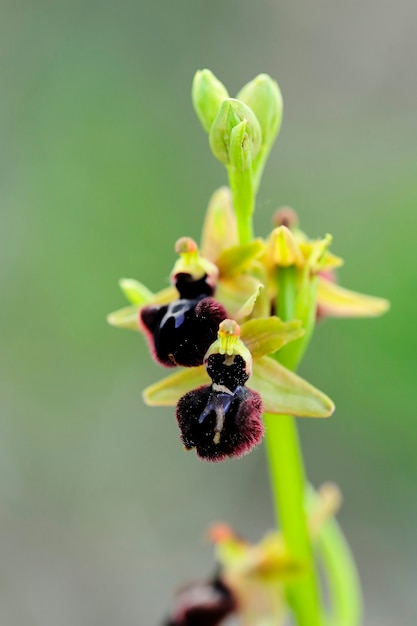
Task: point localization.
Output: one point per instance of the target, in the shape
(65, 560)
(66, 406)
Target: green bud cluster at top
(234, 325)
(241, 133)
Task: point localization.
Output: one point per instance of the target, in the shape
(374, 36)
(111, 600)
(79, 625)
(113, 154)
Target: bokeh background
(103, 164)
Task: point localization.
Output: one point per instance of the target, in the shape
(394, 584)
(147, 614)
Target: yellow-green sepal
(284, 392)
(135, 291)
(266, 335)
(336, 301)
(127, 317)
(168, 391)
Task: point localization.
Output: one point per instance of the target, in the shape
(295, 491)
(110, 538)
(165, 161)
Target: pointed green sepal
(125, 318)
(232, 113)
(284, 392)
(267, 335)
(168, 391)
(335, 301)
(207, 94)
(135, 291)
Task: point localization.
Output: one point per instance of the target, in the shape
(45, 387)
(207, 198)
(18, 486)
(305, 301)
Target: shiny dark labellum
(181, 332)
(220, 423)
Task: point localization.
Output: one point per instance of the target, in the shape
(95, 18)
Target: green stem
(288, 486)
(341, 575)
(287, 476)
(243, 201)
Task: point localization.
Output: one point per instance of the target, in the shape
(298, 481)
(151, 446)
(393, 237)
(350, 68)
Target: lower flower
(202, 604)
(219, 423)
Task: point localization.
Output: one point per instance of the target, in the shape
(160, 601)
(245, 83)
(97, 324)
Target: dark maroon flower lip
(181, 332)
(220, 423)
(202, 604)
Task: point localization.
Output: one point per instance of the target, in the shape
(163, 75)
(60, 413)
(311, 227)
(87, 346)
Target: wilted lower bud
(232, 113)
(208, 94)
(264, 98)
(202, 604)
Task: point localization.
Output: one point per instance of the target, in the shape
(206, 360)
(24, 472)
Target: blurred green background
(103, 164)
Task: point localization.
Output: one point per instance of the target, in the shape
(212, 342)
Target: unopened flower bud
(208, 94)
(263, 96)
(232, 113)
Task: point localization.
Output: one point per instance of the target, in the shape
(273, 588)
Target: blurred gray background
(103, 164)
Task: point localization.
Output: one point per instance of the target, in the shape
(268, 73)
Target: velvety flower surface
(281, 390)
(219, 424)
(223, 419)
(219, 415)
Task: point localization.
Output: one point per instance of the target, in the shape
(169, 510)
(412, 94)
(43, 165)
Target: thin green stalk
(288, 481)
(288, 488)
(285, 458)
(341, 574)
(243, 202)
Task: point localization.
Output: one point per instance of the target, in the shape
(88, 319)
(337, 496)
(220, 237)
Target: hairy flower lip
(218, 424)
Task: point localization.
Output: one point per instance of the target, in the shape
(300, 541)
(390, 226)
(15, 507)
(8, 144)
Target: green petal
(267, 335)
(168, 391)
(135, 291)
(220, 228)
(247, 307)
(335, 301)
(286, 393)
(236, 259)
(125, 318)
(234, 292)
